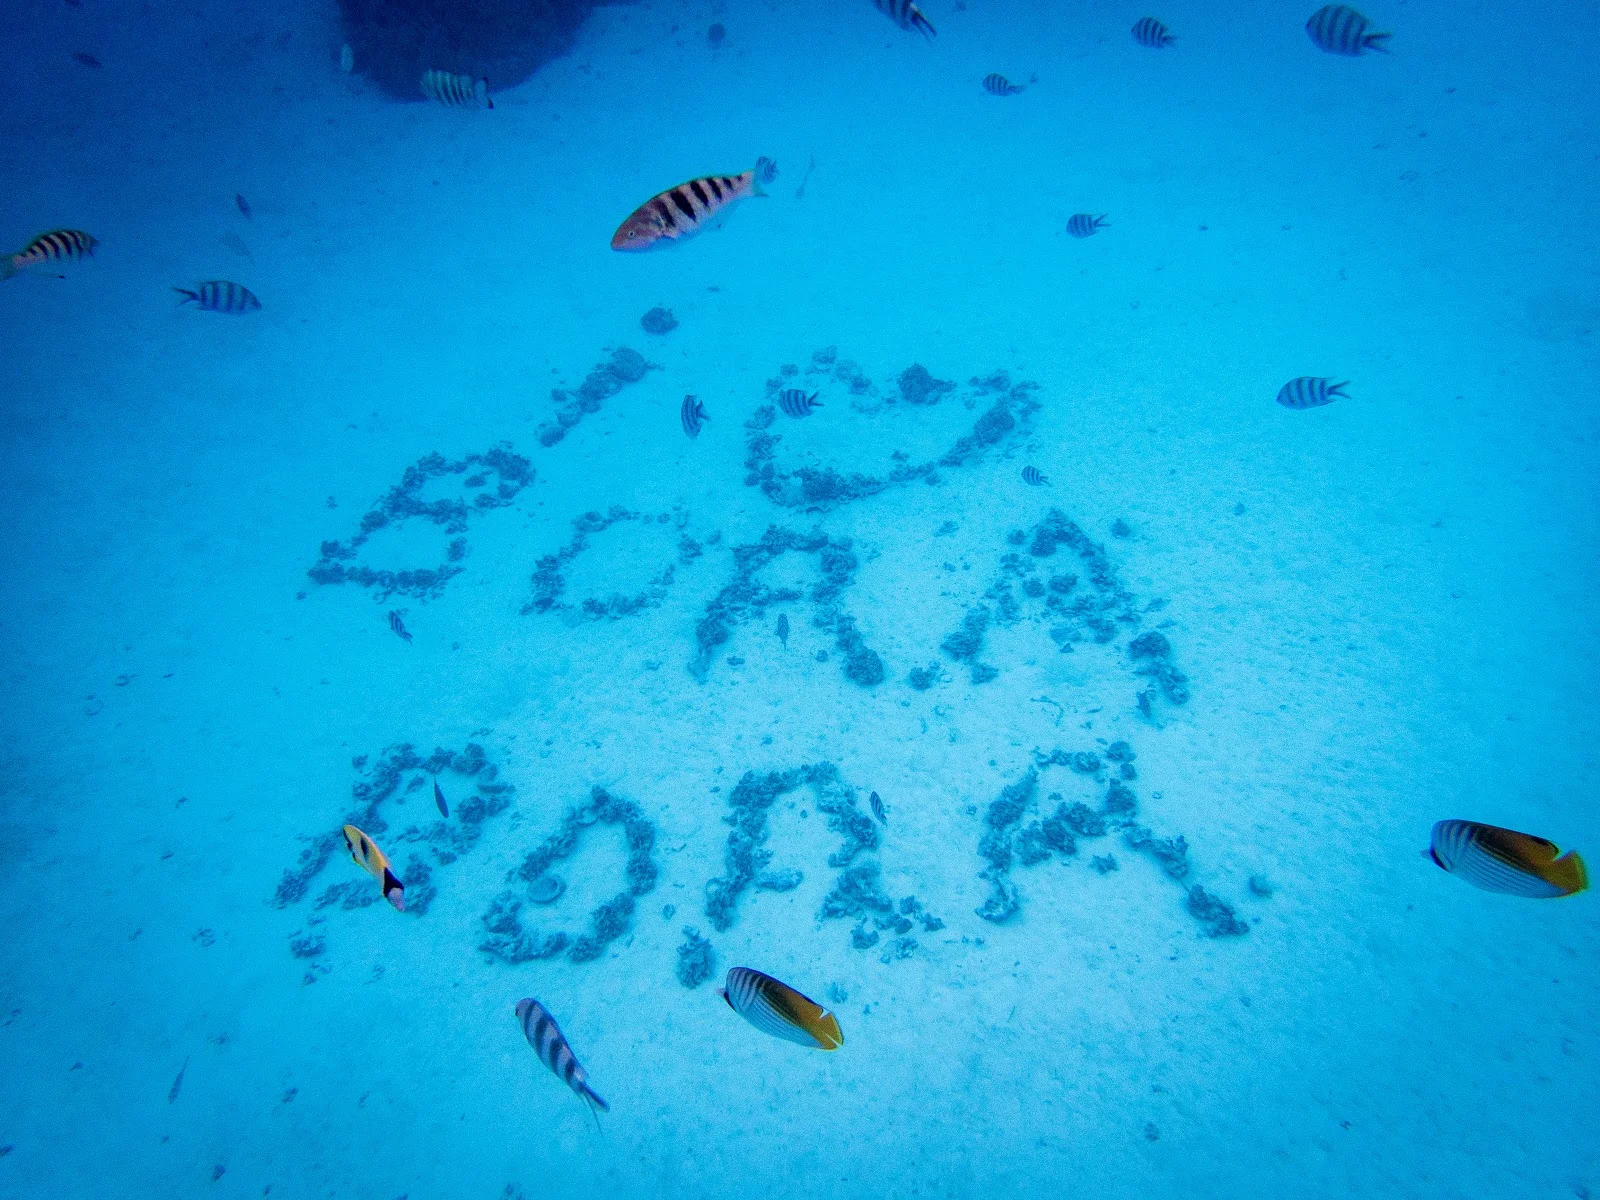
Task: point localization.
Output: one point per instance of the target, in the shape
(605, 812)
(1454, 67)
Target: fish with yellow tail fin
(778, 1009)
(548, 1042)
(369, 858)
(59, 245)
(1503, 860)
(685, 210)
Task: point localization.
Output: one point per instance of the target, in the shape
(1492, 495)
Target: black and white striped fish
(1082, 225)
(1310, 391)
(683, 211)
(795, 402)
(1341, 30)
(693, 415)
(56, 246)
(398, 625)
(544, 1035)
(220, 295)
(878, 808)
(906, 15)
(1032, 477)
(998, 85)
(782, 629)
(456, 91)
(1148, 31)
(1505, 861)
(776, 1008)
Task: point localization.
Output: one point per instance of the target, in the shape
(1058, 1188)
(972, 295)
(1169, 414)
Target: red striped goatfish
(685, 210)
(57, 246)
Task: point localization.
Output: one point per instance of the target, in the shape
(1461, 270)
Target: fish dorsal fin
(1517, 849)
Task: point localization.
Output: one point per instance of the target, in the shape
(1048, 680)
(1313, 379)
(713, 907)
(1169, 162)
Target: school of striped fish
(1488, 857)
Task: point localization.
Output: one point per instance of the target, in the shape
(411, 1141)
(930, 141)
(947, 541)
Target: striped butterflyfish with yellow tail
(685, 210)
(59, 245)
(776, 1008)
(374, 862)
(1503, 860)
(550, 1044)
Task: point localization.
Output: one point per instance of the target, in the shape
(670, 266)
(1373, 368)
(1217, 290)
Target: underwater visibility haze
(965, 598)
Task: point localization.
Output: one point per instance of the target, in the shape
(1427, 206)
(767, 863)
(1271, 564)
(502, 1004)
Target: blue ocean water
(1158, 741)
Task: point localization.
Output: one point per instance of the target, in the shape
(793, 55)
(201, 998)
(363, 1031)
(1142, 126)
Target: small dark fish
(1144, 703)
(999, 85)
(783, 629)
(1505, 861)
(244, 205)
(715, 34)
(776, 1008)
(544, 1035)
(87, 60)
(1032, 477)
(438, 798)
(800, 192)
(1082, 225)
(220, 295)
(177, 1084)
(796, 403)
(1310, 391)
(906, 15)
(399, 626)
(1341, 30)
(1148, 31)
(456, 91)
(693, 415)
(878, 810)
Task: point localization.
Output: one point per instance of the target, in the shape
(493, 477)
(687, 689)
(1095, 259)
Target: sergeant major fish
(1311, 391)
(1148, 31)
(365, 854)
(906, 15)
(1082, 225)
(878, 809)
(220, 295)
(693, 415)
(545, 1036)
(398, 626)
(456, 91)
(683, 211)
(796, 403)
(1342, 30)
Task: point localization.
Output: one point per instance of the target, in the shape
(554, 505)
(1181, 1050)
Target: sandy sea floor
(1384, 607)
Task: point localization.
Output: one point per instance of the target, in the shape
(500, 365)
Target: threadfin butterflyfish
(776, 1008)
(369, 858)
(550, 1044)
(1503, 860)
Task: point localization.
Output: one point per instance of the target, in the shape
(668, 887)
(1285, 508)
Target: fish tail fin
(765, 172)
(187, 295)
(596, 1106)
(1568, 873)
(8, 267)
(1375, 41)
